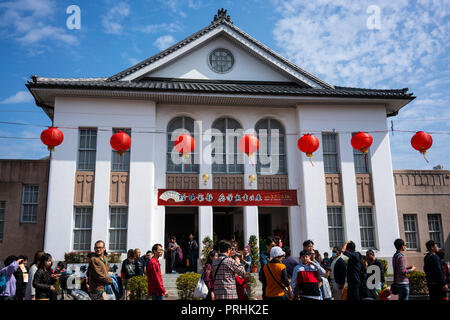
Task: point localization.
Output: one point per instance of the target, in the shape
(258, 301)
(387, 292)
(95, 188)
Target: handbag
(179, 254)
(201, 289)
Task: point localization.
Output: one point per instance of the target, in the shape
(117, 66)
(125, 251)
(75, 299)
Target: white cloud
(112, 21)
(162, 27)
(19, 97)
(27, 21)
(331, 40)
(164, 42)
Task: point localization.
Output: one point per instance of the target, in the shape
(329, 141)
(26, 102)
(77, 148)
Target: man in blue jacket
(434, 273)
(353, 271)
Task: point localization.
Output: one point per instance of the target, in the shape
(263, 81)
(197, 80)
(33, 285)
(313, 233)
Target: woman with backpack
(44, 280)
(172, 251)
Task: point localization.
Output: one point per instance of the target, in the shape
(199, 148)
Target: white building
(219, 77)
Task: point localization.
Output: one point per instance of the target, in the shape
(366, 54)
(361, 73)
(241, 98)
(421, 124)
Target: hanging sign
(216, 198)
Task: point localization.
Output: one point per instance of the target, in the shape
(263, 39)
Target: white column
(205, 227)
(295, 234)
(385, 211)
(145, 223)
(297, 221)
(251, 226)
(314, 194)
(58, 236)
(100, 212)
(251, 219)
(350, 210)
(205, 213)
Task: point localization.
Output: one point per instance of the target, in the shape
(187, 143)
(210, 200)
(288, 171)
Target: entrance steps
(170, 284)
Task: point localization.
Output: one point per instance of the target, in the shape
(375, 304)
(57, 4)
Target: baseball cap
(276, 252)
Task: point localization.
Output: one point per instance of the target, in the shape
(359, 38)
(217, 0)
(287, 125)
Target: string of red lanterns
(248, 144)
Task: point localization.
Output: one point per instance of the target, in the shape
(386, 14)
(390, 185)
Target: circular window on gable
(221, 60)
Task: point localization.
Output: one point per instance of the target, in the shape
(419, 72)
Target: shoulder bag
(279, 284)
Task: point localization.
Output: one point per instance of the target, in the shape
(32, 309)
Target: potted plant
(251, 286)
(254, 253)
(186, 284)
(138, 288)
(417, 285)
(207, 248)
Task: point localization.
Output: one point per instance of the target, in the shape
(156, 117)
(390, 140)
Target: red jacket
(154, 278)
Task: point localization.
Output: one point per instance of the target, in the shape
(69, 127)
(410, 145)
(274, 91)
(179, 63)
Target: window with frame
(118, 162)
(87, 149)
(367, 227)
(335, 227)
(30, 203)
(361, 162)
(183, 125)
(82, 230)
(330, 152)
(435, 228)
(232, 160)
(2, 219)
(118, 227)
(410, 223)
(271, 135)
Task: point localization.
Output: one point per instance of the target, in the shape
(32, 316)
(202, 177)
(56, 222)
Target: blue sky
(370, 44)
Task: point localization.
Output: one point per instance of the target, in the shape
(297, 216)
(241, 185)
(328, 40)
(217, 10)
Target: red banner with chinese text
(207, 197)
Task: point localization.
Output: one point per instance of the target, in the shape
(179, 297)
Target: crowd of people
(226, 273)
(317, 278)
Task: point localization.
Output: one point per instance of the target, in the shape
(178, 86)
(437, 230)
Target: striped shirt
(400, 271)
(225, 278)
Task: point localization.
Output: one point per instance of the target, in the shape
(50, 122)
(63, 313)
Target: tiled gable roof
(218, 86)
(198, 34)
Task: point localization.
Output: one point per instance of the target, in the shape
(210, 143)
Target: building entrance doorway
(228, 222)
(274, 222)
(180, 222)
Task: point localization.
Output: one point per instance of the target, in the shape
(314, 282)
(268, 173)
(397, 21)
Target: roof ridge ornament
(221, 15)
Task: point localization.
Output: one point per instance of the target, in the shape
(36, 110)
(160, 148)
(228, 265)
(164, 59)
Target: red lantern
(249, 144)
(308, 144)
(422, 141)
(120, 142)
(52, 137)
(362, 142)
(185, 144)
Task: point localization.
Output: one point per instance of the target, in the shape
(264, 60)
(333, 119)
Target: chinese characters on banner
(205, 197)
